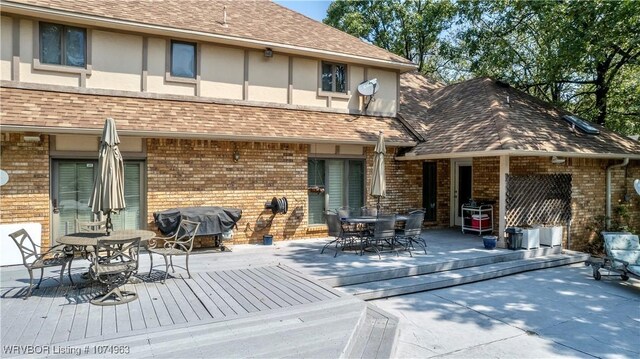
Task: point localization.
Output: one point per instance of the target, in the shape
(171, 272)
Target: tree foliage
(581, 55)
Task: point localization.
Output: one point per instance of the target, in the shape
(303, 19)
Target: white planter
(530, 238)
(551, 236)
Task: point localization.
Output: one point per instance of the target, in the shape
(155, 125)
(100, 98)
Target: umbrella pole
(378, 208)
(109, 225)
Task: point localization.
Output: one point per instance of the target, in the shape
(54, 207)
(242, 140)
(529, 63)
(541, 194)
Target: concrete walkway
(558, 312)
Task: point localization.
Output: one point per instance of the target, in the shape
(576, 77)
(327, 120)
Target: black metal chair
(114, 262)
(31, 259)
(412, 232)
(179, 244)
(334, 230)
(384, 233)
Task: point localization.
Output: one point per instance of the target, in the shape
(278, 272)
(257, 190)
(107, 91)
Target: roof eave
(92, 20)
(517, 153)
(199, 136)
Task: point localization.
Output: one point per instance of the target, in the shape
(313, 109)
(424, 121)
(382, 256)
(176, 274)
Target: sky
(315, 9)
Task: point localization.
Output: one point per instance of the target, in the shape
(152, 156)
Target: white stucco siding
(268, 77)
(222, 72)
(305, 83)
(6, 47)
(116, 60)
(386, 97)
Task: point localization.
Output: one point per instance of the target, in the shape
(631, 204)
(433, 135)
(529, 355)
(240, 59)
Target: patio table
(368, 222)
(81, 240)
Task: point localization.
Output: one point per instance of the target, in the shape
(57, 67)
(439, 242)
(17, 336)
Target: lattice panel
(538, 199)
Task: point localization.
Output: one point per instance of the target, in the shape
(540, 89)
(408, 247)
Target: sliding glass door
(343, 184)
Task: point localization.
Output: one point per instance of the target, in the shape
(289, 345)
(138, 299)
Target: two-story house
(224, 103)
(231, 103)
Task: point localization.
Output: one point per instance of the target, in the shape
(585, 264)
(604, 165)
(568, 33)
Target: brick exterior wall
(486, 186)
(184, 173)
(404, 183)
(588, 190)
(25, 198)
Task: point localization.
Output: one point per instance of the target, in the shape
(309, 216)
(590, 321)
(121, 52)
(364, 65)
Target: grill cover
(213, 220)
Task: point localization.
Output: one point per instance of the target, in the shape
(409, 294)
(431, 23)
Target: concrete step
(376, 289)
(437, 266)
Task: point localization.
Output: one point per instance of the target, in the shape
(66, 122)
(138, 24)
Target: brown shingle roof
(474, 116)
(55, 112)
(258, 20)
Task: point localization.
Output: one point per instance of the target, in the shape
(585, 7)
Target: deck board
(148, 311)
(170, 303)
(181, 302)
(291, 297)
(26, 311)
(59, 314)
(205, 297)
(291, 282)
(231, 297)
(275, 294)
(161, 311)
(262, 295)
(249, 302)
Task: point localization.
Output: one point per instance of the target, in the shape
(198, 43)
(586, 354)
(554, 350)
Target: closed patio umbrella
(108, 187)
(378, 181)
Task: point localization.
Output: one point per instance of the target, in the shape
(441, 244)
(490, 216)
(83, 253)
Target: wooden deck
(63, 314)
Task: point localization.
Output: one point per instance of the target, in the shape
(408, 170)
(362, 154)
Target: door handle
(56, 210)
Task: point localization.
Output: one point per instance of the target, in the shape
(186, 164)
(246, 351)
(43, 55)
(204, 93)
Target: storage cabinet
(477, 219)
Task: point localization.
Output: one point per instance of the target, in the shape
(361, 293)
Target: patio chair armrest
(153, 242)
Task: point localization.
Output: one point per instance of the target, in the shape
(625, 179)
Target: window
(334, 77)
(183, 59)
(63, 45)
(343, 182)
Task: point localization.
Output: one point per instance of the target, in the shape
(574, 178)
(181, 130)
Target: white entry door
(461, 187)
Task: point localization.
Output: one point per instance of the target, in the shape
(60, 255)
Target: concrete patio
(248, 300)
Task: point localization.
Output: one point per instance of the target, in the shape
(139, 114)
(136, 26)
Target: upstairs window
(183, 59)
(334, 77)
(63, 45)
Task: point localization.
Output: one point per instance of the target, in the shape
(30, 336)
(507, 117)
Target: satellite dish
(368, 88)
(4, 177)
(636, 185)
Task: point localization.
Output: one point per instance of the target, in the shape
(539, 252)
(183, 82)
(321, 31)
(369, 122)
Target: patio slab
(558, 312)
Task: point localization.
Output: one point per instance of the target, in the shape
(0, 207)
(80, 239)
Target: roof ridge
(498, 119)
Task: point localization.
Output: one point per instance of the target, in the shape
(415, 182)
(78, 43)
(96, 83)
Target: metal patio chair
(343, 237)
(114, 262)
(384, 233)
(411, 232)
(180, 244)
(31, 259)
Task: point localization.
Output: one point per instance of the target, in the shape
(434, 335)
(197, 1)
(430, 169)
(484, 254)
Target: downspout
(619, 165)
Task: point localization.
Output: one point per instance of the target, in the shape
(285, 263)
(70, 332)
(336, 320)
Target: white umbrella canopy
(108, 187)
(378, 180)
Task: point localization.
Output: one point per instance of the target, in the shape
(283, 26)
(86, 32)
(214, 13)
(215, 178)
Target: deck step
(376, 337)
(486, 257)
(442, 279)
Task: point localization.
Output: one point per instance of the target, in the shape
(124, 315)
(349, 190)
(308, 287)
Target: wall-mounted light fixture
(31, 138)
(268, 52)
(558, 160)
(236, 153)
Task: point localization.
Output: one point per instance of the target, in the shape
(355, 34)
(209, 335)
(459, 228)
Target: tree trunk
(601, 94)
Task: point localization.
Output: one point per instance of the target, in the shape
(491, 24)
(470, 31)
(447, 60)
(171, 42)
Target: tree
(582, 55)
(408, 28)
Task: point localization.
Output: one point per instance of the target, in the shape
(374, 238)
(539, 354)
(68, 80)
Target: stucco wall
(116, 62)
(6, 47)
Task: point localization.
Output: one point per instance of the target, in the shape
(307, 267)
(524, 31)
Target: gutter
(619, 165)
(518, 153)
